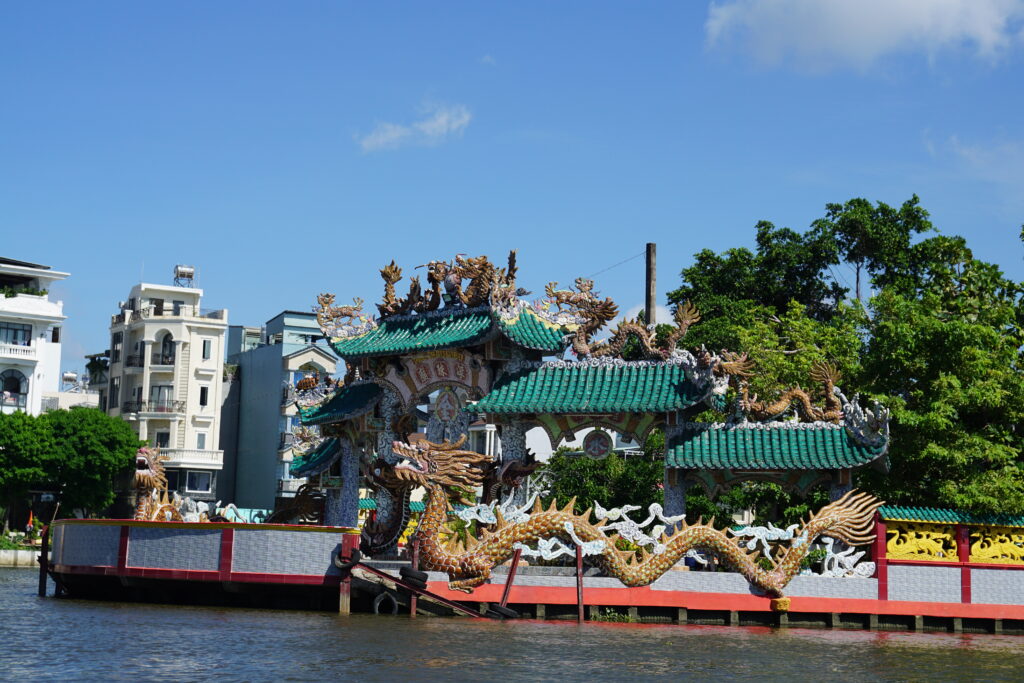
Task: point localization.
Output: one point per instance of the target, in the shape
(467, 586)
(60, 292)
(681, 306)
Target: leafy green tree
(25, 445)
(90, 452)
(939, 343)
(875, 239)
(787, 266)
(613, 481)
(945, 356)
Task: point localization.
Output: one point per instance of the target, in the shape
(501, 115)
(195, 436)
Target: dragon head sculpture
(149, 469)
(442, 465)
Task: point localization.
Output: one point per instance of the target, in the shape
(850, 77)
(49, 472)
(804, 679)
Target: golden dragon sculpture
(151, 500)
(824, 373)
(444, 469)
(487, 284)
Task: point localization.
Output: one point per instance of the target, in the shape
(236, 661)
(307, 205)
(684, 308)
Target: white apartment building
(166, 361)
(30, 335)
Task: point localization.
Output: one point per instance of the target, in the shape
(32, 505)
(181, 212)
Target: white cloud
(820, 34)
(440, 123)
(1000, 163)
(488, 60)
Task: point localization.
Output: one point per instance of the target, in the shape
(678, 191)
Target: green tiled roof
(394, 336)
(455, 329)
(317, 461)
(371, 504)
(350, 401)
(775, 446)
(528, 330)
(583, 388)
(897, 513)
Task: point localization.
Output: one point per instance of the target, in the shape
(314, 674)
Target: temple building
(469, 349)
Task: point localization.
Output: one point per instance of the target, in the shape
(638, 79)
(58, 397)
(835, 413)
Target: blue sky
(291, 148)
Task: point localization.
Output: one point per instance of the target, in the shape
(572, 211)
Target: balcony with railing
(168, 311)
(134, 361)
(192, 457)
(153, 407)
(161, 358)
(18, 351)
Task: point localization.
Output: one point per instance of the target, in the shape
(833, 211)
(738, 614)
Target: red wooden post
(579, 584)
(415, 559)
(349, 545)
(963, 552)
(44, 560)
(881, 564)
(511, 576)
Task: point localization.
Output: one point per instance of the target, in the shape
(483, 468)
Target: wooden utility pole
(651, 301)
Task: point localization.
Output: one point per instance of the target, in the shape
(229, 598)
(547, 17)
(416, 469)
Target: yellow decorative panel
(997, 545)
(913, 541)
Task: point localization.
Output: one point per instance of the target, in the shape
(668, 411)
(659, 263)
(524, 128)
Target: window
(172, 480)
(204, 396)
(14, 387)
(158, 306)
(55, 335)
(165, 355)
(163, 440)
(15, 333)
(199, 482)
(161, 398)
(116, 340)
(207, 348)
(115, 391)
(201, 441)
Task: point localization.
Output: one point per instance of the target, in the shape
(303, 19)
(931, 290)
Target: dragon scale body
(470, 565)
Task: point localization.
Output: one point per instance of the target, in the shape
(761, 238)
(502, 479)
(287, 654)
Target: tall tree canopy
(939, 342)
(80, 452)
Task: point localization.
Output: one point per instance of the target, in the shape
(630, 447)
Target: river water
(63, 639)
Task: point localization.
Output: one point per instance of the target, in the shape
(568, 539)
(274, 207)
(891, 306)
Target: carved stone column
(390, 406)
(513, 447)
(675, 492)
(342, 508)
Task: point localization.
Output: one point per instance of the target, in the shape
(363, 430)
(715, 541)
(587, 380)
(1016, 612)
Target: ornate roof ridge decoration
(307, 440)
(488, 285)
(511, 310)
(777, 424)
(595, 312)
(329, 317)
(684, 358)
(868, 427)
(314, 390)
(748, 407)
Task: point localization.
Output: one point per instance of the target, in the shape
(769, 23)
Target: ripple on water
(46, 638)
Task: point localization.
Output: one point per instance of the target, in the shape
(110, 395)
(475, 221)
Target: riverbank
(19, 558)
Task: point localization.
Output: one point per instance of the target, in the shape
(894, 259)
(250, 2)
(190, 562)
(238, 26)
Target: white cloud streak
(817, 35)
(1000, 163)
(439, 124)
